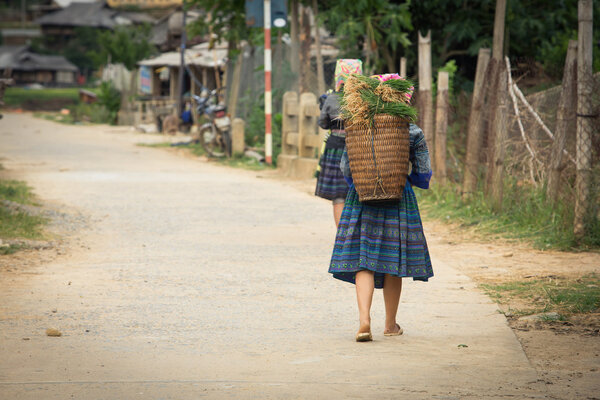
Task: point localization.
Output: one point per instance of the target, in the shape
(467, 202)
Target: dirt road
(196, 281)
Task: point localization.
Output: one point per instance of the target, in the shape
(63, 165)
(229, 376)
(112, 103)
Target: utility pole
(181, 64)
(268, 100)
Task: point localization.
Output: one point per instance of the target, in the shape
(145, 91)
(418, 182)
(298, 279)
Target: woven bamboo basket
(379, 157)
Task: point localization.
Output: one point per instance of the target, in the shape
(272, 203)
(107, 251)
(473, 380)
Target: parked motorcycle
(214, 135)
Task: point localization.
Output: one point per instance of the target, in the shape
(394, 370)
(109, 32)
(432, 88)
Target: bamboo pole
(476, 125)
(565, 121)
(585, 86)
(501, 134)
(441, 126)
(424, 98)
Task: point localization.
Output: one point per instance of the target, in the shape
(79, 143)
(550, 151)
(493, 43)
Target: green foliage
(94, 113)
(90, 48)
(450, 67)
(372, 103)
(379, 26)
(225, 19)
(81, 50)
(536, 29)
(110, 98)
(126, 45)
(525, 215)
(254, 116)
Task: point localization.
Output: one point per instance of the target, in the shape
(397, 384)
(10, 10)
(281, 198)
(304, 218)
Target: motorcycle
(214, 135)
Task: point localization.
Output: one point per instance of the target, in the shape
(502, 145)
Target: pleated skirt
(385, 238)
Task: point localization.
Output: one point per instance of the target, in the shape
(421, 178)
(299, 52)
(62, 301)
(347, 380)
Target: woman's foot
(364, 333)
(394, 331)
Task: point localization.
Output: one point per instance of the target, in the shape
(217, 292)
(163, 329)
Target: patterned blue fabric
(331, 183)
(385, 238)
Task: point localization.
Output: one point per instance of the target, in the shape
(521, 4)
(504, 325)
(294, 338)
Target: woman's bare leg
(337, 212)
(392, 288)
(365, 285)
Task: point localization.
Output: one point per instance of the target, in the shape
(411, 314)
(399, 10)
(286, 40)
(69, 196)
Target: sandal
(364, 337)
(398, 333)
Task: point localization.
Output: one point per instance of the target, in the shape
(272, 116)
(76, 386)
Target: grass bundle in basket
(363, 97)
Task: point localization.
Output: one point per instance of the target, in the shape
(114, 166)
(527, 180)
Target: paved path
(199, 281)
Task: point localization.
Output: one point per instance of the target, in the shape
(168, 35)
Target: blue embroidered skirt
(331, 183)
(385, 238)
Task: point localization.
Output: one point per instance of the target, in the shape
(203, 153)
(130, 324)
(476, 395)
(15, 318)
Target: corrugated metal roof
(198, 55)
(92, 14)
(18, 58)
(82, 14)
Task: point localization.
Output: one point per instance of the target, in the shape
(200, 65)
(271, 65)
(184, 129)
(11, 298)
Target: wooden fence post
(403, 67)
(234, 90)
(565, 121)
(441, 126)
(424, 97)
(495, 67)
(585, 85)
(501, 134)
(476, 125)
(238, 140)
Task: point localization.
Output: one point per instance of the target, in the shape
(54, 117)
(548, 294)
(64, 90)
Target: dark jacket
(329, 118)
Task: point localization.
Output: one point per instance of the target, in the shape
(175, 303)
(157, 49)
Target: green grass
(16, 96)
(16, 224)
(560, 295)
(238, 161)
(11, 249)
(16, 191)
(525, 215)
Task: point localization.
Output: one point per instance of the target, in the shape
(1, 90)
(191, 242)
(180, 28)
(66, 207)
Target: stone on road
(200, 281)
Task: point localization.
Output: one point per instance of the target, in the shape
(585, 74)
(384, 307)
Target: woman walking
(379, 244)
(331, 184)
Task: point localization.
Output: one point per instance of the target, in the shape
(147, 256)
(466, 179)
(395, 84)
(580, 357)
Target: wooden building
(26, 67)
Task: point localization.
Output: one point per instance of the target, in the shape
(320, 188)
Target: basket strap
(378, 180)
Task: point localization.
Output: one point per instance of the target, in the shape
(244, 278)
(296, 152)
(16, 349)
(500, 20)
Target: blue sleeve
(419, 158)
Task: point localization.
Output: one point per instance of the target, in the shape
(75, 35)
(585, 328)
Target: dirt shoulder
(566, 353)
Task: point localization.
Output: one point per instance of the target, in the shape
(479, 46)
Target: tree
(225, 19)
(126, 45)
(376, 28)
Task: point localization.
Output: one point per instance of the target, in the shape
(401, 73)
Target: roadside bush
(254, 115)
(525, 214)
(110, 98)
(94, 113)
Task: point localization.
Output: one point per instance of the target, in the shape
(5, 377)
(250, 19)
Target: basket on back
(376, 114)
(379, 157)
